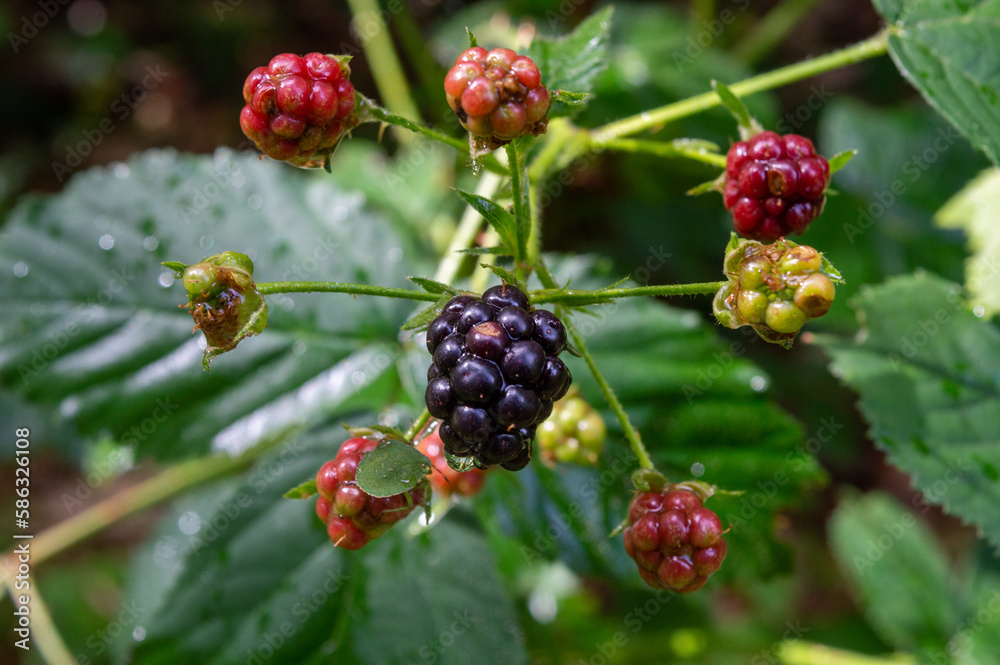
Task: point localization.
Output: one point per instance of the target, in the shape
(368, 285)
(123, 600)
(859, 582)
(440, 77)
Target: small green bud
(784, 317)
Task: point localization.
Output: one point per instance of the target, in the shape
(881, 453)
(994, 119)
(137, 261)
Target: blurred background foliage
(169, 75)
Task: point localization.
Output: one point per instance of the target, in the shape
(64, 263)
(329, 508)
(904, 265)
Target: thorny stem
(271, 288)
(631, 433)
(870, 48)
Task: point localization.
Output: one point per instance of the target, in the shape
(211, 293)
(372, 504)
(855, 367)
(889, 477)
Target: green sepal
(176, 266)
(748, 125)
(841, 159)
(472, 38)
(432, 286)
(302, 491)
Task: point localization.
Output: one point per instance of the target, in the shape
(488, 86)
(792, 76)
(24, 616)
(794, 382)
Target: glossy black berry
(474, 313)
(505, 296)
(476, 381)
(473, 425)
(440, 397)
(549, 331)
(523, 363)
(440, 328)
(487, 340)
(501, 447)
(495, 375)
(516, 407)
(555, 379)
(448, 352)
(520, 461)
(458, 303)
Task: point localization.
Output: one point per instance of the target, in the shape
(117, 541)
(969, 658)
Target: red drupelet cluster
(675, 541)
(497, 94)
(353, 518)
(775, 185)
(298, 108)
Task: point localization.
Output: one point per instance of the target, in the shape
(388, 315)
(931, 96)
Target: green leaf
(472, 38)
(925, 369)
(946, 50)
(841, 159)
(423, 318)
(897, 569)
(502, 221)
(573, 62)
(976, 210)
(95, 336)
(434, 599)
(302, 491)
(432, 286)
(392, 468)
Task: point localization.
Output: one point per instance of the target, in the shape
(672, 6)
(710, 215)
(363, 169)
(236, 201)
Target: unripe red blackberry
(353, 518)
(675, 541)
(774, 185)
(444, 479)
(495, 375)
(298, 108)
(573, 434)
(774, 288)
(498, 94)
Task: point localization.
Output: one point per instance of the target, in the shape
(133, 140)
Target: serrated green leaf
(736, 108)
(502, 221)
(120, 357)
(392, 468)
(176, 266)
(925, 369)
(302, 491)
(573, 62)
(976, 210)
(841, 159)
(432, 286)
(423, 318)
(946, 50)
(897, 569)
(505, 275)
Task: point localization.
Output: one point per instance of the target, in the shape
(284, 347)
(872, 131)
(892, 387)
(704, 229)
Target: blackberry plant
(409, 293)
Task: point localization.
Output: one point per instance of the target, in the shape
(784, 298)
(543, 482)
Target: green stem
(771, 30)
(520, 218)
(417, 425)
(43, 629)
(372, 112)
(382, 59)
(271, 288)
(850, 55)
(631, 433)
(696, 151)
(162, 486)
(797, 652)
(580, 297)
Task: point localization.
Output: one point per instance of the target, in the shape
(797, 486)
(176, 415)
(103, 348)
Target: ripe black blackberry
(495, 374)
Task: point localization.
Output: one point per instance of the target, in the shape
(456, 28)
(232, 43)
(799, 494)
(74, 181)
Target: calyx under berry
(774, 288)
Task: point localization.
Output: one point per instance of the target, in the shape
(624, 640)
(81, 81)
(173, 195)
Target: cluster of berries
(298, 108)
(775, 288)
(774, 185)
(353, 518)
(495, 375)
(497, 94)
(573, 434)
(675, 541)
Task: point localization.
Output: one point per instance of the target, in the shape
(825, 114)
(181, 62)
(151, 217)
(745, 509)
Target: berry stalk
(271, 288)
(870, 48)
(520, 216)
(578, 297)
(631, 433)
